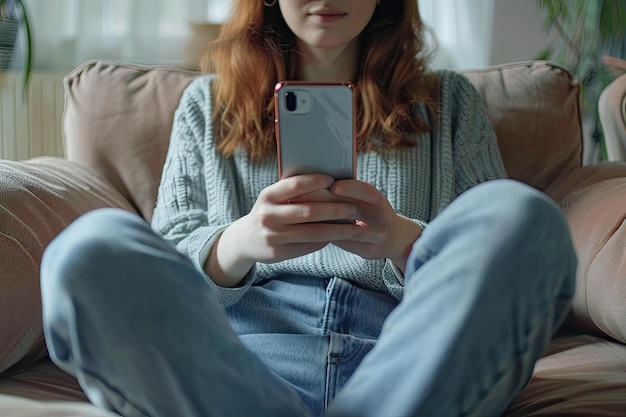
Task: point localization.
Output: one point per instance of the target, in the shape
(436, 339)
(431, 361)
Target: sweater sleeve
(476, 156)
(181, 214)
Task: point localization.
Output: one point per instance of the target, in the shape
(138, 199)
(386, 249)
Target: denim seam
(327, 308)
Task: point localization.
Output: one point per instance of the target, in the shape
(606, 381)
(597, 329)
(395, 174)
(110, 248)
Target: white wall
(518, 31)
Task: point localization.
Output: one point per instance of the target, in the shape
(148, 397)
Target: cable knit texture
(202, 192)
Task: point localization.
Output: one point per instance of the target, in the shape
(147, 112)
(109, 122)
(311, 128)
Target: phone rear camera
(291, 101)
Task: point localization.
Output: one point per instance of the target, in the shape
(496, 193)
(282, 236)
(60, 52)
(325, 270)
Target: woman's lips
(327, 16)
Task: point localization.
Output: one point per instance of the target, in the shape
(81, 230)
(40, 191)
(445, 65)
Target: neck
(327, 64)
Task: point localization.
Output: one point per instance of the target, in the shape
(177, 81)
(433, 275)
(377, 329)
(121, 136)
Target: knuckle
(306, 212)
(264, 194)
(294, 183)
(272, 253)
(266, 238)
(265, 217)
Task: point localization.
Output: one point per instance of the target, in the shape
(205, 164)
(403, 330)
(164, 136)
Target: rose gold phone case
(319, 135)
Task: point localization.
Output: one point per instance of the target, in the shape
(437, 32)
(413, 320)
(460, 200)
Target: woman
(246, 301)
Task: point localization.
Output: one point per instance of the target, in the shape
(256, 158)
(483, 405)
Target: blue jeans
(486, 286)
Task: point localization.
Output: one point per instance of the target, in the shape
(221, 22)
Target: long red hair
(254, 51)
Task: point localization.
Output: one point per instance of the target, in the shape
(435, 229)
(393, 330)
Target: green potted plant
(588, 30)
(13, 14)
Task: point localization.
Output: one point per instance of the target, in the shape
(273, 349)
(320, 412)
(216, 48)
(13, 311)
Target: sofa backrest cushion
(534, 109)
(118, 119)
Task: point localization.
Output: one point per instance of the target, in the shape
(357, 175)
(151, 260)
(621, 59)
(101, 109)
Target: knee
(520, 208)
(95, 233)
(88, 248)
(81, 273)
(506, 221)
(529, 227)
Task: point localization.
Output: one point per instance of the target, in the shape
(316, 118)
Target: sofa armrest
(594, 201)
(38, 198)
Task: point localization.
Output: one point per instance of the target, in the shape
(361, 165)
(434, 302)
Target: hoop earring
(272, 4)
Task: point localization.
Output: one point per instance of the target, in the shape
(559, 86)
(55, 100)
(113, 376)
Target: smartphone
(315, 128)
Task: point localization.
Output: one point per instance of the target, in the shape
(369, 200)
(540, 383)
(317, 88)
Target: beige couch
(116, 129)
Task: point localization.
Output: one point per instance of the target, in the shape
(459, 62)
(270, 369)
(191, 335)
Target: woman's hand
(280, 227)
(385, 234)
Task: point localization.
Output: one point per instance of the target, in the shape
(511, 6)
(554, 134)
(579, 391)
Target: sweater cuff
(421, 224)
(393, 279)
(229, 296)
(198, 249)
(393, 276)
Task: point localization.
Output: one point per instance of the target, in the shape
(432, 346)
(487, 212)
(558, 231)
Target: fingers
(317, 196)
(325, 232)
(310, 233)
(358, 190)
(310, 212)
(292, 187)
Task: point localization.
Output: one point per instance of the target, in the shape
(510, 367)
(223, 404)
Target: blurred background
(468, 34)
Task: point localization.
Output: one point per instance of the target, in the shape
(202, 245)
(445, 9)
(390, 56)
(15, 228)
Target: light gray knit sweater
(202, 192)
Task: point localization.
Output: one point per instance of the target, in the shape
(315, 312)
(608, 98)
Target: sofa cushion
(14, 406)
(579, 375)
(594, 201)
(38, 198)
(118, 119)
(534, 109)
